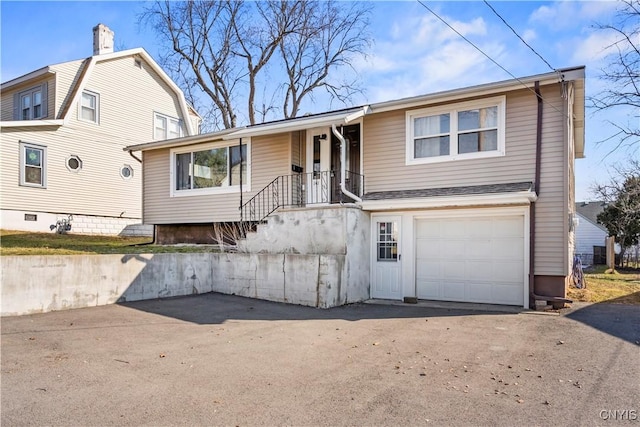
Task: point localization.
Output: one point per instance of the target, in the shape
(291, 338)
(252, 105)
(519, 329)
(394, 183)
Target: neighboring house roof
(349, 114)
(590, 210)
(77, 89)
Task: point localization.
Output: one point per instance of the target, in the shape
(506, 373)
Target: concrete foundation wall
(81, 224)
(37, 284)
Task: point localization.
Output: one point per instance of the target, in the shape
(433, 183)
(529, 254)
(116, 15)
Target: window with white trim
(468, 130)
(33, 161)
(89, 108)
(166, 127)
(31, 103)
(209, 169)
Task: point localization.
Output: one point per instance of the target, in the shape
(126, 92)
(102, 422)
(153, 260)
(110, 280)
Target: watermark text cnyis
(619, 415)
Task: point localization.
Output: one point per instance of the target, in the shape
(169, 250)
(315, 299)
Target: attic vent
(138, 63)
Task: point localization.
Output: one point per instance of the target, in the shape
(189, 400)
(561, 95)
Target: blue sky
(413, 52)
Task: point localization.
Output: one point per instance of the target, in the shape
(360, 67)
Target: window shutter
(16, 106)
(45, 100)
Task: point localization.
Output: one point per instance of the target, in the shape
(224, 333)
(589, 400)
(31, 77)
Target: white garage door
(471, 259)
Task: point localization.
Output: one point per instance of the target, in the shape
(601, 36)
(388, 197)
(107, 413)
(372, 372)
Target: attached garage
(470, 259)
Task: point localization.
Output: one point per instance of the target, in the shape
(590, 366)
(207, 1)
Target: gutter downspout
(152, 242)
(134, 156)
(532, 206)
(533, 297)
(240, 144)
(343, 166)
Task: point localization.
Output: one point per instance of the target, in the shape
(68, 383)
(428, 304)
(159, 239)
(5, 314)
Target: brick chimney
(102, 40)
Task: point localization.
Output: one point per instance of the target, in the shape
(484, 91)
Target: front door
(318, 166)
(386, 259)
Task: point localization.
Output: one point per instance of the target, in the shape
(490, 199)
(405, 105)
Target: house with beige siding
(464, 195)
(63, 128)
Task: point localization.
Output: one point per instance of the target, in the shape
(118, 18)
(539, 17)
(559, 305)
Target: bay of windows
(209, 169)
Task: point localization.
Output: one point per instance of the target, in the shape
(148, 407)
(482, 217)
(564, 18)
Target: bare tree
(621, 216)
(622, 73)
(326, 37)
(222, 50)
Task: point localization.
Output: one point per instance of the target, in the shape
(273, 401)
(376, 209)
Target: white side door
(319, 165)
(386, 258)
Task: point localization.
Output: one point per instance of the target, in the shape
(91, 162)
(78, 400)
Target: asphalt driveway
(223, 360)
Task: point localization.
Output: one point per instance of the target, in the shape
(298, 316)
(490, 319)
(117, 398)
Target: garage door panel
(427, 248)
(453, 290)
(508, 227)
(509, 272)
(473, 259)
(452, 228)
(428, 229)
(454, 270)
(506, 295)
(428, 269)
(481, 227)
(478, 270)
(429, 289)
(509, 249)
(450, 248)
(479, 249)
(479, 292)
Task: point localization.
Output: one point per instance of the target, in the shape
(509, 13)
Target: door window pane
(387, 244)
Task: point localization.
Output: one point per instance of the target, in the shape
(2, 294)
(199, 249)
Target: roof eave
(27, 77)
(481, 90)
(180, 142)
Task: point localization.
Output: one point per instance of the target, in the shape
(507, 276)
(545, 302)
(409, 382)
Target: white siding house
(64, 127)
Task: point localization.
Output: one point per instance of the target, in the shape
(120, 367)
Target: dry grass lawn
(619, 287)
(26, 243)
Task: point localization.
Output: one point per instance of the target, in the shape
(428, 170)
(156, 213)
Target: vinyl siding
(269, 159)
(6, 100)
(385, 168)
(128, 98)
(67, 75)
(97, 189)
(588, 235)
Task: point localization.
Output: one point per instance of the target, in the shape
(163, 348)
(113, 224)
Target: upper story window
(33, 160)
(89, 107)
(31, 104)
(166, 127)
(209, 169)
(467, 130)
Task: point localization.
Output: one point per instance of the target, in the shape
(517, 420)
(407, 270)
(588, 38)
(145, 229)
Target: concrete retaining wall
(37, 284)
(81, 224)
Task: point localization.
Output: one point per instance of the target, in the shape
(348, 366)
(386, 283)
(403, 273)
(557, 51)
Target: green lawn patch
(618, 287)
(26, 243)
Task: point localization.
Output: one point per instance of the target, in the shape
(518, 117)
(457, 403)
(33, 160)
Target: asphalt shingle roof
(450, 191)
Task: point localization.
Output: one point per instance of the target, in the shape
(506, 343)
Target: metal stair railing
(299, 190)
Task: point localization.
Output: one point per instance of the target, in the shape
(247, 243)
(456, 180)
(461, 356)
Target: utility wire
(490, 58)
(518, 36)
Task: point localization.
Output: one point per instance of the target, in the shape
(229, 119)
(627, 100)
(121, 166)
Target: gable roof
(344, 116)
(590, 210)
(89, 63)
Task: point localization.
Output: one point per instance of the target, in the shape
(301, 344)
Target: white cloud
(593, 48)
(529, 35)
(563, 15)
